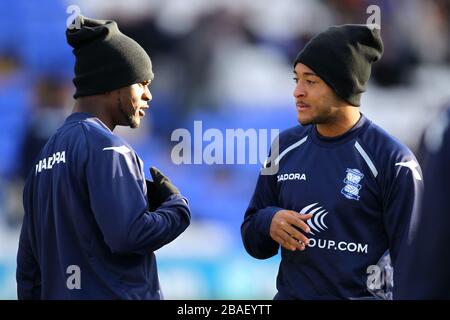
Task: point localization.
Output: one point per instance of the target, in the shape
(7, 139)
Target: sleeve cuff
(265, 217)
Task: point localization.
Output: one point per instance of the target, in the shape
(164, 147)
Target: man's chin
(132, 123)
(304, 122)
(135, 124)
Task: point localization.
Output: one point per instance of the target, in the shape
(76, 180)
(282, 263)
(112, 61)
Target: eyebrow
(307, 73)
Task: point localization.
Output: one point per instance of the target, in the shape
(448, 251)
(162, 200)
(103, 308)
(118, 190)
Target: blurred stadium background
(229, 64)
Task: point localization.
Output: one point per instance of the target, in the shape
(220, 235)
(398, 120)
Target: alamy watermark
(74, 277)
(73, 21)
(374, 20)
(380, 278)
(234, 146)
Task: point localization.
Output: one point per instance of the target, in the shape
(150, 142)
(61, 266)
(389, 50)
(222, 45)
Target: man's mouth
(302, 106)
(141, 110)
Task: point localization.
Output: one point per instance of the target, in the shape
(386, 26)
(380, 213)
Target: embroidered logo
(352, 186)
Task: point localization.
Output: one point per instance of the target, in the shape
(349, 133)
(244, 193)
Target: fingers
(288, 242)
(156, 174)
(153, 172)
(285, 243)
(283, 230)
(295, 234)
(297, 220)
(303, 217)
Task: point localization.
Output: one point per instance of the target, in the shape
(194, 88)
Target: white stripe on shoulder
(122, 149)
(366, 159)
(413, 165)
(290, 148)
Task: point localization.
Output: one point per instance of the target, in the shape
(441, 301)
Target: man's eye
(310, 82)
(295, 79)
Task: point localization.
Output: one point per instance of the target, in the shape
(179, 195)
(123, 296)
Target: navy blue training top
(361, 187)
(87, 232)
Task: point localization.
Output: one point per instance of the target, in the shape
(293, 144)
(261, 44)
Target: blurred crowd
(227, 63)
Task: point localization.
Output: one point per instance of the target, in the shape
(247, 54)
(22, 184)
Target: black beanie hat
(342, 56)
(106, 59)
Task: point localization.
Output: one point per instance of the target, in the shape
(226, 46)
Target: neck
(343, 122)
(96, 106)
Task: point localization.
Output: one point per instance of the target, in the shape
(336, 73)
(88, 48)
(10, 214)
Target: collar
(360, 126)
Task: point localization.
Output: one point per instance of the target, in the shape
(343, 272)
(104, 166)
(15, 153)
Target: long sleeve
(118, 199)
(255, 230)
(28, 275)
(425, 258)
(401, 203)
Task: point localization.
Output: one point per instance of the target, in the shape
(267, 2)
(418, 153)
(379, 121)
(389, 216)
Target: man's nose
(299, 91)
(147, 96)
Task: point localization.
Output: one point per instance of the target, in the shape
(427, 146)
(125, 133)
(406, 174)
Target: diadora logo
(291, 176)
(352, 186)
(48, 163)
(317, 222)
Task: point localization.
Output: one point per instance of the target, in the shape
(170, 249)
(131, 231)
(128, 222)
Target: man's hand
(159, 190)
(283, 229)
